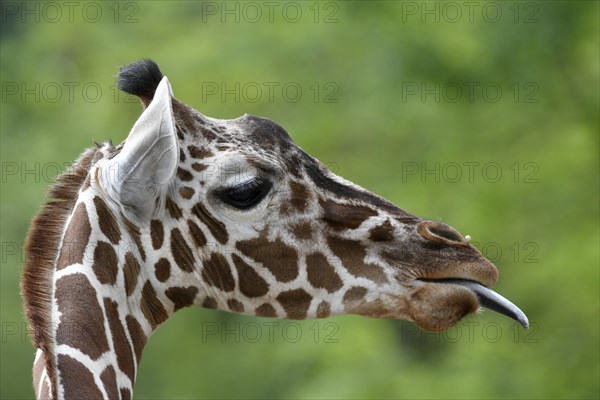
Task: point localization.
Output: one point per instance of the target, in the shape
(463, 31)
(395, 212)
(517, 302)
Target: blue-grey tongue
(492, 300)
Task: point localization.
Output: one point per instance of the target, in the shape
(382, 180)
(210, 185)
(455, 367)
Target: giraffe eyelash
(246, 195)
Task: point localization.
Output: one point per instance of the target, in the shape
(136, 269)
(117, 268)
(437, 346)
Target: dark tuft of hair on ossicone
(140, 78)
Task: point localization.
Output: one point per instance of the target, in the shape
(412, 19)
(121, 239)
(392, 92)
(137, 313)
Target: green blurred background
(380, 104)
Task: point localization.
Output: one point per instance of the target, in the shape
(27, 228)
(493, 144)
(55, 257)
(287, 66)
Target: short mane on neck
(41, 252)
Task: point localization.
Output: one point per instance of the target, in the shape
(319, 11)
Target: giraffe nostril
(439, 232)
(445, 233)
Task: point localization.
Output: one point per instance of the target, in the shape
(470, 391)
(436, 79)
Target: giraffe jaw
(488, 298)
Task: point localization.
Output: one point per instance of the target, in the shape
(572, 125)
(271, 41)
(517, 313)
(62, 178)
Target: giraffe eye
(247, 194)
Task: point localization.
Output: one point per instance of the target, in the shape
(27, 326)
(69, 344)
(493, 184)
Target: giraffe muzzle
(488, 299)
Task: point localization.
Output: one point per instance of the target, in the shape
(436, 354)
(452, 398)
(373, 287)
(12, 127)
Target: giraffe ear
(148, 160)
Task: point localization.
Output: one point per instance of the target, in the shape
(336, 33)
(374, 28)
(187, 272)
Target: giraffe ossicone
(227, 214)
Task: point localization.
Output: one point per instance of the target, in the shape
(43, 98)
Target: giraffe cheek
(436, 307)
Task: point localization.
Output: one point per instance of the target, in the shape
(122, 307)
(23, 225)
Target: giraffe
(225, 214)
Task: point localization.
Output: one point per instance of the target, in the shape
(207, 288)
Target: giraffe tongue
(492, 300)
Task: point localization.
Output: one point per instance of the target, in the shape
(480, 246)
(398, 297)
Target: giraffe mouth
(488, 299)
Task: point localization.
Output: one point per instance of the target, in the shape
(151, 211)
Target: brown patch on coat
(182, 296)
(157, 234)
(199, 152)
(82, 321)
(208, 133)
(174, 209)
(184, 174)
(187, 119)
(196, 234)
(131, 270)
(251, 284)
(106, 220)
(199, 167)
(151, 307)
(405, 256)
(134, 232)
(302, 230)
(320, 175)
(300, 196)
(76, 379)
(276, 256)
(137, 335)
(284, 209)
(295, 303)
(352, 255)
(323, 310)
(344, 216)
(120, 342)
(162, 269)
(76, 238)
(321, 274)
(209, 302)
(186, 192)
(42, 249)
(235, 306)
(217, 273)
(105, 263)
(182, 254)
(265, 310)
(216, 227)
(382, 233)
(354, 295)
(125, 394)
(109, 381)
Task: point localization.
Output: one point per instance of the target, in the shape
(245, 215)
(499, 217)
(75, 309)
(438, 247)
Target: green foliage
(538, 221)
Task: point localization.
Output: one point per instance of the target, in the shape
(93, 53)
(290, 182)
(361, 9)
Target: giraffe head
(240, 218)
(227, 214)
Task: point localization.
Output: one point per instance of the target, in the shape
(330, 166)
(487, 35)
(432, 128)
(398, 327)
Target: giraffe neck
(91, 303)
(104, 307)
